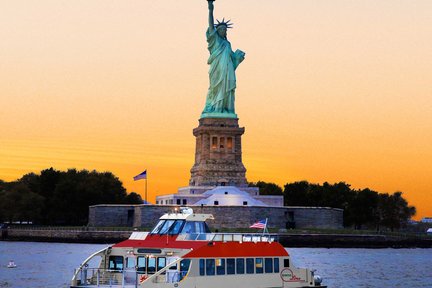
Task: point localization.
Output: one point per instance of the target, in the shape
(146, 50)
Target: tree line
(56, 197)
(363, 208)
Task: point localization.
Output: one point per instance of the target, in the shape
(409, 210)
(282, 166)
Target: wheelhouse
(179, 226)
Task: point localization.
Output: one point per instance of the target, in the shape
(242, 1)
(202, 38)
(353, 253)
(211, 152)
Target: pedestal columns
(218, 153)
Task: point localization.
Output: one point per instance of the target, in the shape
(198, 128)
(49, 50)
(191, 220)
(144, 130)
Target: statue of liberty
(223, 63)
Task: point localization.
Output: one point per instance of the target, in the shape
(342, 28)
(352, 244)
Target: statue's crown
(227, 24)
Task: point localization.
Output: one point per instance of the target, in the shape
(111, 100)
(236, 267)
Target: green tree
(44, 185)
(19, 204)
(393, 211)
(61, 197)
(297, 194)
(267, 188)
(133, 198)
(363, 209)
(77, 190)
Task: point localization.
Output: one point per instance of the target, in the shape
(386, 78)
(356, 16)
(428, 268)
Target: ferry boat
(180, 251)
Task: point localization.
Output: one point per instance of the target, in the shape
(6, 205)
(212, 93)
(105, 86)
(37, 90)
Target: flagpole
(146, 190)
(142, 175)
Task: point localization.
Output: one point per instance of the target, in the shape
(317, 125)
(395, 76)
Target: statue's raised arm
(211, 18)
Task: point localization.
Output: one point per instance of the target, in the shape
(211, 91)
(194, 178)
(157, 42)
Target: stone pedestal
(218, 153)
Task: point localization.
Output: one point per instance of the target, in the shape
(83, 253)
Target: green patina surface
(223, 63)
(218, 115)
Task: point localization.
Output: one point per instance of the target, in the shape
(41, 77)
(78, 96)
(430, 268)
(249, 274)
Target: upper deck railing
(97, 277)
(229, 237)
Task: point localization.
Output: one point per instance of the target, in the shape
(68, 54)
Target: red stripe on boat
(158, 241)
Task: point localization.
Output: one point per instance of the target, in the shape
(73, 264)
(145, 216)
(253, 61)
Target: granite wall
(225, 216)
(112, 215)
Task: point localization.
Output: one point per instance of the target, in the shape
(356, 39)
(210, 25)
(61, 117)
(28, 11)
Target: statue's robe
(223, 62)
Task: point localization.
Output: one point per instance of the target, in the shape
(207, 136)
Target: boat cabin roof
(187, 217)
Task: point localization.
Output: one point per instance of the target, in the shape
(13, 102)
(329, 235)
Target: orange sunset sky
(333, 91)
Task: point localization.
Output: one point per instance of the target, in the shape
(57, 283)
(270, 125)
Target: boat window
(176, 227)
(230, 266)
(202, 267)
(115, 263)
(192, 227)
(210, 266)
(240, 266)
(259, 265)
(268, 265)
(161, 263)
(276, 265)
(184, 265)
(250, 265)
(166, 226)
(151, 265)
(184, 268)
(220, 266)
(130, 262)
(157, 227)
(286, 262)
(141, 266)
(189, 228)
(205, 228)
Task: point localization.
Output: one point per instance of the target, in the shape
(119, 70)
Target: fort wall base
(226, 217)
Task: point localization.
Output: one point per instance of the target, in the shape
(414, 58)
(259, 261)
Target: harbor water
(51, 265)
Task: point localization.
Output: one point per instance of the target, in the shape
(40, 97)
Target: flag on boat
(260, 224)
(142, 175)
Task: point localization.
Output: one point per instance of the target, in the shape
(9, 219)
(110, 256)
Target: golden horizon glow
(329, 91)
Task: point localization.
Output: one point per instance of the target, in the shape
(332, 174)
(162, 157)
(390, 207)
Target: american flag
(142, 175)
(260, 224)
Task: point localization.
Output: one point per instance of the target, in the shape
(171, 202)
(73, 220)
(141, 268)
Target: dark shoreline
(78, 235)
(308, 240)
(353, 241)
